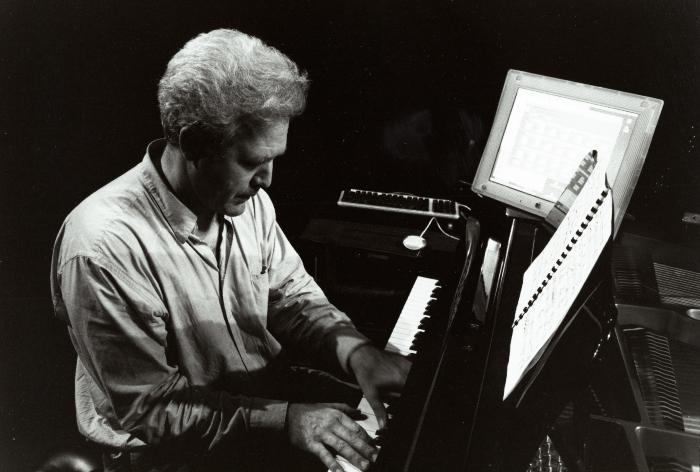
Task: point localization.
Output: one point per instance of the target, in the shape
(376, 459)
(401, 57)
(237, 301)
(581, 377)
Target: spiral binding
(563, 255)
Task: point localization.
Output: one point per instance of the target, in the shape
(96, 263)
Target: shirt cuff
(347, 340)
(267, 416)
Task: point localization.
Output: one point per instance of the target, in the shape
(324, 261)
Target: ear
(198, 141)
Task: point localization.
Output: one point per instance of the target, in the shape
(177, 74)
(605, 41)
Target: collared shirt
(173, 339)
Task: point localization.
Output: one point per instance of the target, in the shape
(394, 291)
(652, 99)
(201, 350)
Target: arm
(378, 373)
(119, 331)
(299, 314)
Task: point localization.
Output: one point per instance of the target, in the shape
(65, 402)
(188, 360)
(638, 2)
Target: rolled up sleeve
(120, 333)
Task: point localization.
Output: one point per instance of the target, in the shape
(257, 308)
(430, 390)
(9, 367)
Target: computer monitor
(545, 126)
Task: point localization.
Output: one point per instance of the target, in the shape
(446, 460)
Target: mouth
(243, 198)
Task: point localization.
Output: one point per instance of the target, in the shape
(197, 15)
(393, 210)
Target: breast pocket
(260, 289)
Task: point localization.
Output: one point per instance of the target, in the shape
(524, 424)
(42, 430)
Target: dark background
(78, 106)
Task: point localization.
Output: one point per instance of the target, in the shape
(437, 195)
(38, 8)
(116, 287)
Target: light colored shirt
(173, 339)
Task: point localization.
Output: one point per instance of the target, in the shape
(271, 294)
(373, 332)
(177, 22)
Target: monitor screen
(545, 126)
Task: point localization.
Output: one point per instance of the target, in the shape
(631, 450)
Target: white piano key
(400, 341)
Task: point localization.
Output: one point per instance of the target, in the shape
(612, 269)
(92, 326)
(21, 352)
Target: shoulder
(109, 220)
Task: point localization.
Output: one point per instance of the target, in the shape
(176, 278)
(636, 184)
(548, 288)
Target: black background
(78, 106)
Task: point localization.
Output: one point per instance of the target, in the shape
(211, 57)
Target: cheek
(218, 177)
(237, 182)
(232, 182)
(221, 180)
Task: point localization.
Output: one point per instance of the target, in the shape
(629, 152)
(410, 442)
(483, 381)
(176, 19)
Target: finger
(345, 450)
(326, 457)
(356, 429)
(375, 402)
(347, 409)
(357, 438)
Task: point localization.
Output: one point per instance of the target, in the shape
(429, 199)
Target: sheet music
(555, 297)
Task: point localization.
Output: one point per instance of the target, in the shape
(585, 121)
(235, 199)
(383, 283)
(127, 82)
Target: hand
(315, 427)
(378, 372)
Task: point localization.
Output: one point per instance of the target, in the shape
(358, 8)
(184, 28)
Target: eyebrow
(267, 154)
(271, 156)
(258, 162)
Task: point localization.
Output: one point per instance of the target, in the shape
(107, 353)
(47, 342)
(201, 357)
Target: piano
(570, 413)
(405, 339)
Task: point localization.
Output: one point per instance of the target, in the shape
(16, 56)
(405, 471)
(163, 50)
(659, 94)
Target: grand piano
(616, 390)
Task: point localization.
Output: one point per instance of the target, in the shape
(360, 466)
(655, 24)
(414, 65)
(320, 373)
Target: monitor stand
(515, 213)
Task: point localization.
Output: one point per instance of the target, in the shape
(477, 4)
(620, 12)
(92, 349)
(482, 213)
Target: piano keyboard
(407, 327)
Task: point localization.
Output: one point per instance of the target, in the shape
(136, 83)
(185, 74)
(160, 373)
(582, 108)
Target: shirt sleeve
(119, 331)
(299, 313)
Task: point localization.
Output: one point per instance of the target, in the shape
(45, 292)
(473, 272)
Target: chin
(232, 209)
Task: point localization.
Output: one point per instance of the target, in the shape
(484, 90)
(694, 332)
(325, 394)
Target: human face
(223, 184)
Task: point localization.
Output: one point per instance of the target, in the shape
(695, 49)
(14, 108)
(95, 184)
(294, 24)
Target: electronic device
(543, 128)
(399, 203)
(414, 242)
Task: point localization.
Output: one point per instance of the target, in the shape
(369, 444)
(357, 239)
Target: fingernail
(364, 464)
(374, 457)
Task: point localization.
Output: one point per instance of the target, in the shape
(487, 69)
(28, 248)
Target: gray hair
(228, 82)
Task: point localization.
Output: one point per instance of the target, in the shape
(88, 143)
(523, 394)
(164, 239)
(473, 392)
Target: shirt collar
(180, 218)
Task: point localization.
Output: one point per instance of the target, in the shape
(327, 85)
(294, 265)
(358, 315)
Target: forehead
(267, 141)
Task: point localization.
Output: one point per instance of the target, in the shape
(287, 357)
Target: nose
(263, 177)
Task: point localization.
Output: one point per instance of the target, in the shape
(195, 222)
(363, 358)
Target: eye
(255, 164)
(250, 165)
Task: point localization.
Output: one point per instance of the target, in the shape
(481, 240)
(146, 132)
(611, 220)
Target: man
(180, 290)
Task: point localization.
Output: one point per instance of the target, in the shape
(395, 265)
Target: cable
(426, 227)
(443, 231)
(437, 223)
(462, 205)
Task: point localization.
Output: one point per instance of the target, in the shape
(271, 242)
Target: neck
(174, 167)
(208, 231)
